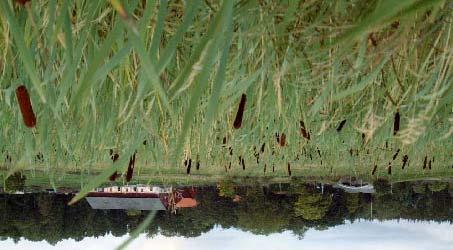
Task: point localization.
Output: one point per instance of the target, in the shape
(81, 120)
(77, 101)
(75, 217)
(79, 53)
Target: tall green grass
(111, 75)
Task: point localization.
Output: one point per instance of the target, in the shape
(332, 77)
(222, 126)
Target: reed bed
(343, 84)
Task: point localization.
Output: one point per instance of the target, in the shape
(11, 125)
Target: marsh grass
(109, 75)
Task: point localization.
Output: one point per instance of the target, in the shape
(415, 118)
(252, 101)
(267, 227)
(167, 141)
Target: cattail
(319, 152)
(304, 131)
(231, 150)
(374, 170)
(429, 165)
(197, 165)
(283, 140)
(363, 138)
(396, 123)
(396, 154)
(113, 156)
(145, 142)
(389, 168)
(425, 161)
(130, 168)
(238, 120)
(22, 2)
(243, 164)
(340, 127)
(289, 169)
(25, 106)
(265, 167)
(273, 167)
(405, 159)
(277, 137)
(224, 141)
(189, 166)
(40, 157)
(229, 165)
(185, 162)
(262, 147)
(113, 176)
(311, 157)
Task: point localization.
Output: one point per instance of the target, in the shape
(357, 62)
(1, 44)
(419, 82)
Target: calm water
(296, 215)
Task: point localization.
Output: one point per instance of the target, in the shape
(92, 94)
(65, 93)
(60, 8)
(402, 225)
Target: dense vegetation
(290, 88)
(47, 217)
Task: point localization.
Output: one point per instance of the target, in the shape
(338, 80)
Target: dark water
(296, 215)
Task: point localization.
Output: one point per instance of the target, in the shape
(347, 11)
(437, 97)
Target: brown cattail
(189, 166)
(265, 167)
(340, 127)
(25, 106)
(262, 147)
(389, 168)
(289, 169)
(283, 140)
(113, 176)
(396, 123)
(303, 130)
(229, 165)
(130, 168)
(396, 154)
(238, 120)
(429, 165)
(243, 164)
(425, 161)
(113, 156)
(273, 167)
(197, 165)
(22, 2)
(405, 159)
(374, 170)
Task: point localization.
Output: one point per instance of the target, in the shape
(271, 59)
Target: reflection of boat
(141, 197)
(352, 185)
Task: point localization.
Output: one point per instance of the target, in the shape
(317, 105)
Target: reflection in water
(296, 209)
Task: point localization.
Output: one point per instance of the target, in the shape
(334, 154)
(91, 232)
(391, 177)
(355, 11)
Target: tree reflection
(294, 207)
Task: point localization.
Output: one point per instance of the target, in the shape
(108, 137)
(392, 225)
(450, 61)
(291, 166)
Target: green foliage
(15, 182)
(437, 186)
(311, 205)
